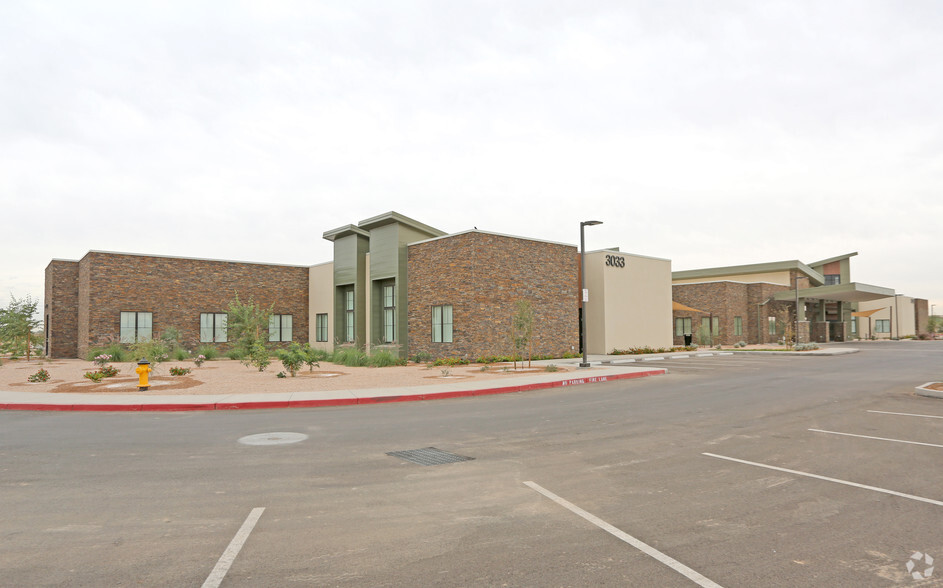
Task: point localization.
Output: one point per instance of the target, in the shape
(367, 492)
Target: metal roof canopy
(851, 292)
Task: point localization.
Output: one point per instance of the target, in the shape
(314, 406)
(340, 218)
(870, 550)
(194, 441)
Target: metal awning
(851, 292)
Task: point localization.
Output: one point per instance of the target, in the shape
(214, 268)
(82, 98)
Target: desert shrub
(421, 357)
(258, 357)
(314, 357)
(806, 347)
(40, 376)
(384, 359)
(109, 371)
(179, 371)
(154, 351)
(292, 358)
(280, 375)
(180, 354)
(350, 357)
(450, 361)
(95, 376)
(118, 352)
(199, 359)
(551, 368)
(236, 354)
(209, 352)
(570, 355)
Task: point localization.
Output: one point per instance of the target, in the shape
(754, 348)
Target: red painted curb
(327, 402)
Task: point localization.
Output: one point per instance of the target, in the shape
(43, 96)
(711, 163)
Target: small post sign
(585, 294)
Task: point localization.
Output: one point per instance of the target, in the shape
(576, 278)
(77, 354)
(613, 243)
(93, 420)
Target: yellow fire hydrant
(144, 368)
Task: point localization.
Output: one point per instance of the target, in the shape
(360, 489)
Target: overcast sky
(709, 133)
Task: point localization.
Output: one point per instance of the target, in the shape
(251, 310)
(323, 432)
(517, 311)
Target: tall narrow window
(349, 315)
(772, 325)
(279, 327)
(738, 326)
(442, 323)
(389, 313)
(715, 326)
(679, 326)
(213, 327)
(854, 325)
(320, 327)
(136, 326)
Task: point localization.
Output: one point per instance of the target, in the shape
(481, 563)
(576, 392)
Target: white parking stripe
(926, 416)
(235, 546)
(877, 438)
(643, 547)
(827, 479)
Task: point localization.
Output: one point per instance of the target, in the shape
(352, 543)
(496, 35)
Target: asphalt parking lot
(728, 471)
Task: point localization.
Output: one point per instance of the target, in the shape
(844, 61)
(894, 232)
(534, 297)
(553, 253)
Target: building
(757, 303)
(394, 284)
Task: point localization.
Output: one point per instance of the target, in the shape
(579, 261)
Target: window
(832, 279)
(389, 313)
(715, 325)
(320, 327)
(772, 325)
(442, 323)
(854, 325)
(738, 326)
(136, 326)
(683, 326)
(349, 315)
(882, 326)
(279, 327)
(213, 327)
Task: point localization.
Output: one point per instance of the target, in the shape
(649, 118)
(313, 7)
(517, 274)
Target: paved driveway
(730, 471)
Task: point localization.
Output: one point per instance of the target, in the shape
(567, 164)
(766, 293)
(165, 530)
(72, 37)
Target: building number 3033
(615, 261)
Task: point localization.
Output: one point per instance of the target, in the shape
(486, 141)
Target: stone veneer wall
(727, 300)
(61, 308)
(176, 291)
(482, 275)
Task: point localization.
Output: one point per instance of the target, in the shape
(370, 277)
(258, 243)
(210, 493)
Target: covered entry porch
(826, 312)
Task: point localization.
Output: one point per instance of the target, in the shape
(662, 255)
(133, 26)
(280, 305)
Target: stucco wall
(321, 301)
(901, 325)
(629, 301)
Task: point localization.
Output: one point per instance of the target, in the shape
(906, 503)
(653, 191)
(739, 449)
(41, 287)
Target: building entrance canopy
(852, 292)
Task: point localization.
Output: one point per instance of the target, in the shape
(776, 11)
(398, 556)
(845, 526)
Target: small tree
(522, 329)
(246, 322)
(17, 323)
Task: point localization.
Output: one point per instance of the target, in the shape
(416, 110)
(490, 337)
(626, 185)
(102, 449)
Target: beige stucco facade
(629, 301)
(321, 301)
(900, 316)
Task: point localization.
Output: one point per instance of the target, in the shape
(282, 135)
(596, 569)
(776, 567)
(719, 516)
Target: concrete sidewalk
(180, 402)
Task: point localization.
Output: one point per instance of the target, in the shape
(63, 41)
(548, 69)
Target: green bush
(40, 376)
(180, 354)
(153, 350)
(421, 357)
(95, 376)
(384, 359)
(350, 357)
(551, 368)
(179, 371)
(450, 361)
(235, 353)
(118, 352)
(259, 356)
(209, 352)
(292, 358)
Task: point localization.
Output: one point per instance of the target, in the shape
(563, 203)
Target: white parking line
(643, 547)
(877, 438)
(827, 479)
(225, 561)
(926, 416)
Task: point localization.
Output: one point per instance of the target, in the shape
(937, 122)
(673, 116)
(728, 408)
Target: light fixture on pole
(583, 292)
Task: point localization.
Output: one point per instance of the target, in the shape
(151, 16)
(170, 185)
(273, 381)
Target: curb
(928, 392)
(178, 407)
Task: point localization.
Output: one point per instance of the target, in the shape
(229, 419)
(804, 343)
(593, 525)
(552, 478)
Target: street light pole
(797, 310)
(583, 293)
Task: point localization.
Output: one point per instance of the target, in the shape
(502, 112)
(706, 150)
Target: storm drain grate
(429, 456)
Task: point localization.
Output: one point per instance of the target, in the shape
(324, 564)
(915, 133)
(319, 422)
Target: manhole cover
(272, 438)
(429, 456)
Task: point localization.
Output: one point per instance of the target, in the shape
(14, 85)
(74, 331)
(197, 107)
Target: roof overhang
(753, 268)
(831, 259)
(851, 292)
(344, 231)
(394, 217)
